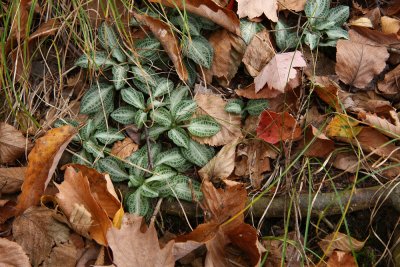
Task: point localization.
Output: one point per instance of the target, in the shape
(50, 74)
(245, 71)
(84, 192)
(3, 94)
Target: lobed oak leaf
(255, 8)
(12, 143)
(12, 254)
(274, 127)
(42, 162)
(11, 179)
(280, 71)
(340, 242)
(357, 64)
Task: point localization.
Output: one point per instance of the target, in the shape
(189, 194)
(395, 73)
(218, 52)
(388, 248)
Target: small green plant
(253, 107)
(323, 27)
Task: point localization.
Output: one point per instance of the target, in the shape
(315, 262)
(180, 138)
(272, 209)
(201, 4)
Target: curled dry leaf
(131, 246)
(11, 179)
(125, 148)
(37, 231)
(165, 35)
(340, 258)
(228, 53)
(208, 9)
(255, 8)
(318, 144)
(12, 254)
(280, 71)
(75, 190)
(42, 162)
(47, 28)
(258, 53)
(12, 143)
(390, 84)
(357, 64)
(214, 106)
(381, 124)
(340, 242)
(274, 127)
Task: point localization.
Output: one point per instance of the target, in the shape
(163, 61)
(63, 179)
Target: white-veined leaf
(163, 87)
(140, 118)
(155, 131)
(328, 43)
(93, 148)
(145, 88)
(179, 137)
(188, 24)
(199, 50)
(337, 16)
(312, 39)
(255, 106)
(337, 33)
(148, 48)
(135, 181)
(234, 106)
(96, 97)
(147, 191)
(162, 117)
(87, 130)
(284, 38)
(138, 204)
(114, 169)
(136, 165)
(203, 126)
(82, 157)
(96, 60)
(133, 97)
(185, 192)
(197, 153)
(110, 40)
(184, 110)
(110, 136)
(248, 29)
(124, 115)
(316, 10)
(191, 68)
(177, 95)
(120, 74)
(171, 157)
(161, 173)
(145, 75)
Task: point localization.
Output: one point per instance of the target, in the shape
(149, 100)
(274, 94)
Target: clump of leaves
(323, 27)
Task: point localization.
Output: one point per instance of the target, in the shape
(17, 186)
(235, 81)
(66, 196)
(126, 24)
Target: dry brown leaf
(275, 245)
(346, 161)
(381, 124)
(47, 28)
(340, 242)
(214, 106)
(258, 53)
(11, 179)
(390, 25)
(280, 71)
(12, 143)
(125, 148)
(253, 159)
(162, 31)
(295, 5)
(391, 83)
(361, 22)
(221, 166)
(228, 53)
(373, 37)
(320, 145)
(37, 231)
(64, 255)
(318, 64)
(357, 64)
(255, 8)
(340, 258)
(42, 162)
(207, 9)
(250, 92)
(12, 254)
(76, 190)
(133, 247)
(7, 210)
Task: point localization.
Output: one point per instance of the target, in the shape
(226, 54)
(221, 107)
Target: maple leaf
(12, 254)
(357, 64)
(11, 179)
(255, 8)
(133, 247)
(279, 71)
(12, 143)
(214, 106)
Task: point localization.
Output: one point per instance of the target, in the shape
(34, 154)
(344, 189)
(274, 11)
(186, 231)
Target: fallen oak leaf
(42, 162)
(12, 254)
(12, 143)
(295, 5)
(280, 71)
(255, 8)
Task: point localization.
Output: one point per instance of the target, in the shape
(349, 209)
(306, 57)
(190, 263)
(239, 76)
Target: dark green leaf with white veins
(311, 39)
(184, 110)
(316, 10)
(99, 120)
(203, 126)
(147, 191)
(87, 130)
(163, 87)
(120, 74)
(145, 75)
(82, 157)
(145, 88)
(179, 137)
(109, 40)
(188, 24)
(110, 136)
(148, 48)
(199, 50)
(135, 181)
(177, 95)
(155, 131)
(94, 99)
(248, 29)
(140, 118)
(93, 148)
(133, 97)
(95, 60)
(255, 106)
(171, 157)
(138, 204)
(161, 173)
(234, 106)
(183, 191)
(124, 115)
(114, 169)
(284, 38)
(197, 153)
(137, 166)
(337, 33)
(162, 116)
(336, 17)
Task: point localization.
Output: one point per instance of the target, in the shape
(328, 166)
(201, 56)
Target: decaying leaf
(274, 248)
(76, 190)
(250, 93)
(11, 179)
(168, 40)
(357, 64)
(279, 71)
(258, 53)
(381, 124)
(12, 254)
(37, 231)
(125, 148)
(214, 106)
(340, 242)
(253, 159)
(12, 143)
(340, 258)
(47, 28)
(207, 9)
(275, 127)
(131, 246)
(42, 162)
(228, 52)
(255, 8)
(391, 83)
(318, 145)
(295, 5)
(220, 166)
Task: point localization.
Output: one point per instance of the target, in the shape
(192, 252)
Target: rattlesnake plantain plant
(253, 107)
(323, 28)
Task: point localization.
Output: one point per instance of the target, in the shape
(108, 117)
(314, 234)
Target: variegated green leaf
(114, 169)
(148, 48)
(133, 97)
(316, 10)
(197, 153)
(248, 29)
(284, 38)
(203, 126)
(87, 130)
(331, 43)
(95, 60)
(188, 24)
(336, 18)
(184, 110)
(99, 120)
(154, 103)
(147, 191)
(135, 181)
(162, 117)
(145, 75)
(120, 74)
(192, 73)
(199, 50)
(185, 190)
(138, 204)
(311, 39)
(185, 167)
(179, 137)
(93, 148)
(155, 131)
(161, 173)
(110, 136)
(110, 41)
(145, 88)
(140, 118)
(205, 23)
(164, 86)
(255, 106)
(337, 33)
(82, 157)
(177, 95)
(234, 106)
(124, 115)
(171, 157)
(137, 165)
(96, 97)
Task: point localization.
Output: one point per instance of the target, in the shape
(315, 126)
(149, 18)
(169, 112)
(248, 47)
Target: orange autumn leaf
(340, 258)
(274, 127)
(343, 126)
(42, 162)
